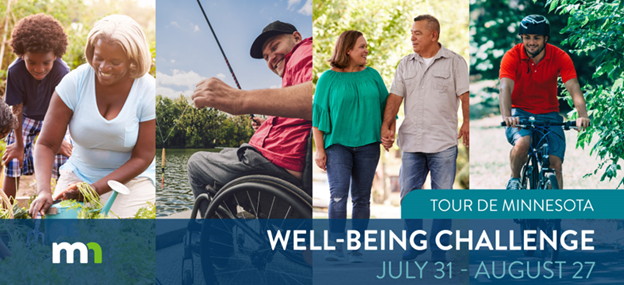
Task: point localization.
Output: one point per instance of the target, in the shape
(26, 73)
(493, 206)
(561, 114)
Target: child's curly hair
(7, 119)
(39, 33)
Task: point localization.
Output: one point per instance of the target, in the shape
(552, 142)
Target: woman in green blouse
(347, 115)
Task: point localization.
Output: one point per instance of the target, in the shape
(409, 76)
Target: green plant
(91, 207)
(595, 28)
(148, 212)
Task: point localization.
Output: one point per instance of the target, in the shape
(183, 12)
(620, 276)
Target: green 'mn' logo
(69, 252)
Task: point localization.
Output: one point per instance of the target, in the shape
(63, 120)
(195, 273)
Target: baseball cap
(271, 30)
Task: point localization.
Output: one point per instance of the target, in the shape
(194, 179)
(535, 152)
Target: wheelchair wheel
(260, 197)
(247, 208)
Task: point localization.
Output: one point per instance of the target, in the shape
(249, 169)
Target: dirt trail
(489, 159)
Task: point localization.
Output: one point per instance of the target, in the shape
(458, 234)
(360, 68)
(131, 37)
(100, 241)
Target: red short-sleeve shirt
(283, 140)
(535, 86)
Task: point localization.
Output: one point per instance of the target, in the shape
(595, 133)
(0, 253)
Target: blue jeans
(350, 167)
(414, 169)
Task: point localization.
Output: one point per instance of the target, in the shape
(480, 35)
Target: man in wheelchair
(278, 147)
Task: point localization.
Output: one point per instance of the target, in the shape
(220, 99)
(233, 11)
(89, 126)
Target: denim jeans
(350, 167)
(414, 169)
(555, 138)
(217, 169)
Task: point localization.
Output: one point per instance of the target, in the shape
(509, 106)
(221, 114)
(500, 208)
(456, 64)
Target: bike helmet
(534, 25)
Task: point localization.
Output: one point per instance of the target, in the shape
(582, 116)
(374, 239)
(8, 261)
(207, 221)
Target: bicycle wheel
(529, 174)
(527, 224)
(524, 177)
(551, 182)
(234, 234)
(548, 227)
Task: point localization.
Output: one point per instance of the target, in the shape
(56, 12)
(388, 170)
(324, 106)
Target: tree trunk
(6, 30)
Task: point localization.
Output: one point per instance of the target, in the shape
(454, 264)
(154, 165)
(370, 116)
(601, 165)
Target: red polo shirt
(283, 140)
(535, 86)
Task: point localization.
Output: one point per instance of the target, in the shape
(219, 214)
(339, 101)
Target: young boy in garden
(39, 42)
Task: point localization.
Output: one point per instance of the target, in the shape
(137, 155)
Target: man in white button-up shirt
(432, 80)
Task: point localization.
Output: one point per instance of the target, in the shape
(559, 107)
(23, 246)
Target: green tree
(77, 17)
(180, 125)
(494, 30)
(386, 26)
(167, 114)
(595, 28)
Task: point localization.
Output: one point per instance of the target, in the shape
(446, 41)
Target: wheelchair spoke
(285, 216)
(252, 206)
(229, 210)
(227, 229)
(242, 269)
(283, 273)
(241, 259)
(258, 205)
(222, 244)
(271, 209)
(237, 205)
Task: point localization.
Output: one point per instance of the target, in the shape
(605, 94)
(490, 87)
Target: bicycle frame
(538, 172)
(537, 168)
(540, 155)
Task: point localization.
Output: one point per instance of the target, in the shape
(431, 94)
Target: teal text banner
(505, 204)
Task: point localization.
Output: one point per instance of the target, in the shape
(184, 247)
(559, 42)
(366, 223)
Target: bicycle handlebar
(525, 123)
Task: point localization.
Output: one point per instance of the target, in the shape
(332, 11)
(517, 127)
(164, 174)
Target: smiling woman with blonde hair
(109, 107)
(347, 114)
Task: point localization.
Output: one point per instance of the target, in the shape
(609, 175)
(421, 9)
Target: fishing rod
(252, 116)
(164, 139)
(220, 48)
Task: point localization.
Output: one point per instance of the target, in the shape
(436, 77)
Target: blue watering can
(59, 212)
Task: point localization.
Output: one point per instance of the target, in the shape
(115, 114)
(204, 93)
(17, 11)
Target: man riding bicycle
(528, 88)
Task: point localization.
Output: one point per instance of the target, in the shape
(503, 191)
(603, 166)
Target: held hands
(13, 151)
(388, 135)
(464, 132)
(321, 159)
(214, 93)
(582, 123)
(256, 123)
(387, 142)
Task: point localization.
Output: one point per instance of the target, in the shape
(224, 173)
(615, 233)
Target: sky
(186, 51)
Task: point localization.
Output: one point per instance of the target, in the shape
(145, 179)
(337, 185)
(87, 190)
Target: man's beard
(532, 55)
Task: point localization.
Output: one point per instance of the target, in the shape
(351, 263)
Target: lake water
(176, 196)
